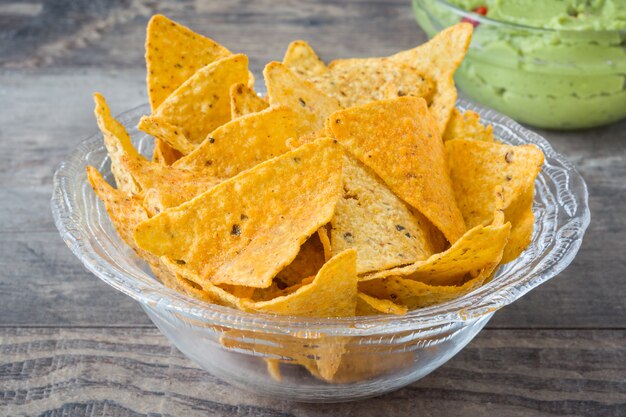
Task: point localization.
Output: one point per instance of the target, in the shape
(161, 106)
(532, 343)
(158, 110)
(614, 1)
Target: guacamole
(558, 64)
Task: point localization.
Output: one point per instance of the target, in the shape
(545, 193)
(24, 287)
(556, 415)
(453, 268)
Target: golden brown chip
(164, 154)
(284, 88)
(477, 168)
(173, 54)
(439, 58)
(166, 132)
(202, 103)
(369, 306)
(374, 221)
(224, 236)
(399, 141)
(117, 142)
(243, 143)
(333, 292)
(309, 260)
(244, 100)
(354, 82)
(302, 60)
(467, 126)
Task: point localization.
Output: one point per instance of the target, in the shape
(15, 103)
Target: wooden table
(72, 346)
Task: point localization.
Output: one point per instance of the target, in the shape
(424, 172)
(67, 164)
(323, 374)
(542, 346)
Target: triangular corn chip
(333, 292)
(375, 222)
(439, 58)
(309, 260)
(477, 168)
(243, 143)
(117, 142)
(225, 234)
(244, 100)
(302, 60)
(354, 82)
(164, 154)
(399, 141)
(173, 54)
(168, 133)
(284, 88)
(467, 126)
(202, 103)
(369, 306)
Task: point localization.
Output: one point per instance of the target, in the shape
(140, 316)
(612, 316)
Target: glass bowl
(292, 357)
(557, 79)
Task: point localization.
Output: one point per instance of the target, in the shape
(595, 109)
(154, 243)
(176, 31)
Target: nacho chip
(372, 220)
(399, 141)
(166, 186)
(477, 168)
(309, 260)
(173, 54)
(439, 58)
(284, 88)
(117, 142)
(244, 100)
(224, 236)
(302, 60)
(322, 233)
(243, 143)
(166, 132)
(354, 82)
(209, 293)
(333, 292)
(474, 251)
(164, 154)
(202, 103)
(369, 306)
(467, 126)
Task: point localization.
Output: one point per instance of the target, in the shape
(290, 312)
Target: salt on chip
(374, 221)
(302, 60)
(284, 88)
(224, 235)
(474, 251)
(368, 306)
(166, 186)
(243, 143)
(467, 126)
(244, 100)
(439, 58)
(398, 139)
(477, 168)
(333, 292)
(173, 54)
(117, 141)
(354, 82)
(202, 103)
(166, 132)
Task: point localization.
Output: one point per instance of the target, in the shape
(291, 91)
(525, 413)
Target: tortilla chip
(477, 168)
(166, 132)
(244, 100)
(359, 365)
(354, 82)
(474, 251)
(467, 126)
(369, 306)
(284, 88)
(166, 186)
(333, 292)
(224, 236)
(309, 260)
(173, 54)
(117, 142)
(439, 58)
(302, 60)
(209, 293)
(399, 141)
(372, 220)
(164, 154)
(243, 143)
(322, 233)
(202, 103)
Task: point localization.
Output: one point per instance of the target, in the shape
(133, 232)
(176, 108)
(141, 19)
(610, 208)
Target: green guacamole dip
(549, 63)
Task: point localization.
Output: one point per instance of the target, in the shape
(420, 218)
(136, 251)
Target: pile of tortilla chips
(351, 188)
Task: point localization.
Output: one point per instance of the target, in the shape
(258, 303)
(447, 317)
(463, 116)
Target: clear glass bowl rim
(482, 301)
(486, 20)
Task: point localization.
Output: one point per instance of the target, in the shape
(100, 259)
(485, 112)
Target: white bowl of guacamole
(557, 64)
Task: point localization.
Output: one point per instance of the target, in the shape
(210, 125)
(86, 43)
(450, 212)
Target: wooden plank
(136, 372)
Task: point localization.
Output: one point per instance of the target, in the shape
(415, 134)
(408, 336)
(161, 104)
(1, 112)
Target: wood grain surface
(72, 346)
